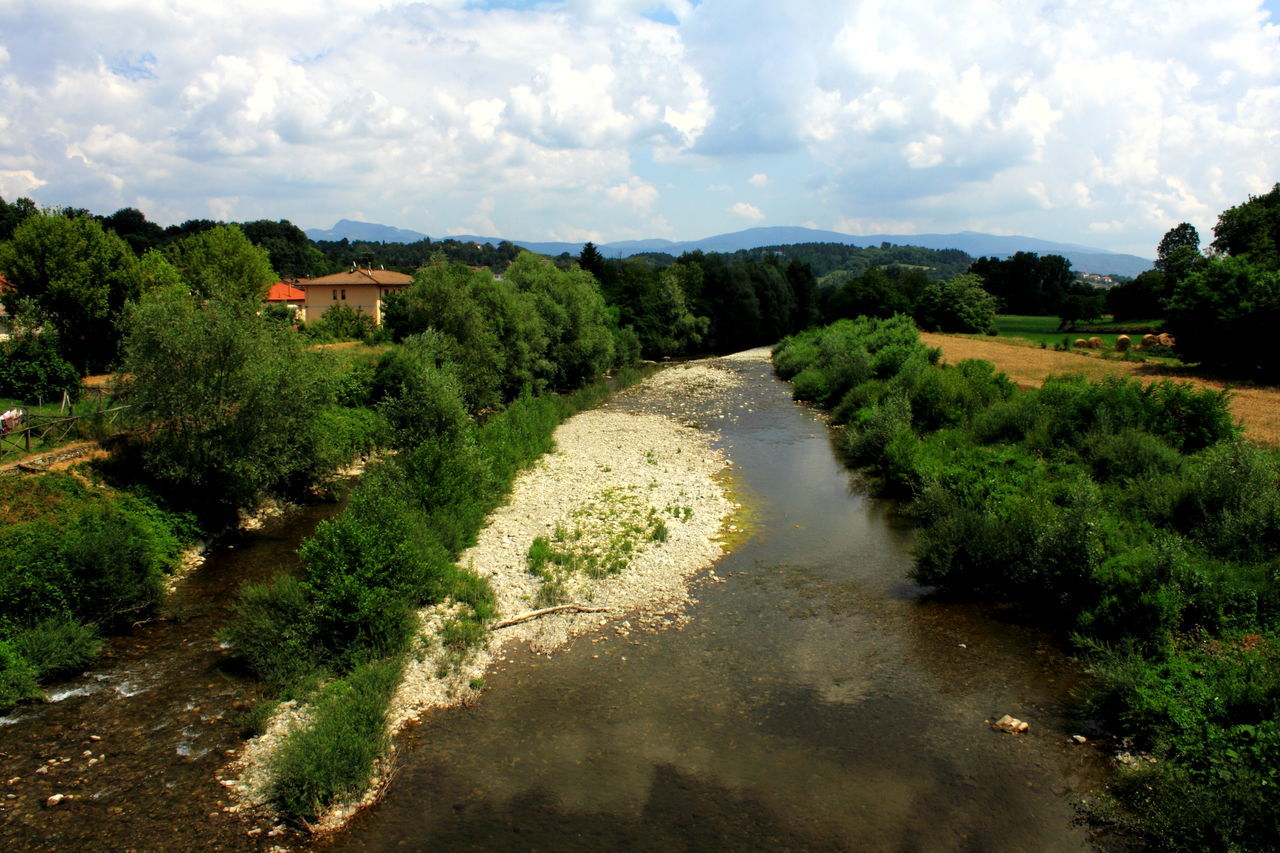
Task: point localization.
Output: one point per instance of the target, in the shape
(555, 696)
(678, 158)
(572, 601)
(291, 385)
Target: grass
(602, 537)
(1034, 331)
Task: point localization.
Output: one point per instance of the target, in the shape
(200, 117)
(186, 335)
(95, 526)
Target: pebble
(54, 800)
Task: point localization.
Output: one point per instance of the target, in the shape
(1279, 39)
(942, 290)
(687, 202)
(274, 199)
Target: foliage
(959, 304)
(1139, 299)
(1130, 518)
(230, 397)
(72, 559)
(13, 215)
(1224, 314)
(341, 322)
(332, 756)
(78, 276)
(32, 368)
(221, 262)
(1251, 229)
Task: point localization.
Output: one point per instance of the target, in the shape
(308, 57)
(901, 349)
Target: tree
(221, 261)
(1026, 283)
(1251, 229)
(290, 251)
(1178, 254)
(1225, 314)
(230, 398)
(592, 261)
(78, 276)
(13, 215)
(579, 343)
(132, 225)
(1140, 299)
(960, 304)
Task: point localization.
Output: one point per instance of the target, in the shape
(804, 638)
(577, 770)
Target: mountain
(1082, 258)
(370, 232)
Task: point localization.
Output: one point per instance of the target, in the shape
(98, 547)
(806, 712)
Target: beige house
(359, 288)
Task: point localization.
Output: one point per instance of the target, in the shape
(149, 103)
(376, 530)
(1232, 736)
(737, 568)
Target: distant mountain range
(1082, 258)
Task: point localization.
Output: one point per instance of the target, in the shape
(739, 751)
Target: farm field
(1256, 406)
(1034, 331)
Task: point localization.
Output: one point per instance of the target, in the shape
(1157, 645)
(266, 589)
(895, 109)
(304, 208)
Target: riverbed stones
(1011, 725)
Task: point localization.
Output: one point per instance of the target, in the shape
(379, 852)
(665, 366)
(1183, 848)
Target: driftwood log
(534, 614)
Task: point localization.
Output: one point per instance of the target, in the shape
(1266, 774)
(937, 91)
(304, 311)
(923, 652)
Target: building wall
(366, 298)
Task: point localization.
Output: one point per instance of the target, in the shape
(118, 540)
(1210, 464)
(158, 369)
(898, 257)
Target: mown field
(1034, 331)
(1256, 406)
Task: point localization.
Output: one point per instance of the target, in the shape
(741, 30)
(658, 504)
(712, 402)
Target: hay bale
(1149, 341)
(1166, 339)
(1081, 343)
(1123, 343)
(1095, 343)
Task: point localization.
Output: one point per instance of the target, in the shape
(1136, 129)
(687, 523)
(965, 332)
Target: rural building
(284, 293)
(362, 289)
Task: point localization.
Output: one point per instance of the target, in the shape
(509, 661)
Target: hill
(1082, 258)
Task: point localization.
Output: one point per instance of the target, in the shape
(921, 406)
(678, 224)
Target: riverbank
(631, 497)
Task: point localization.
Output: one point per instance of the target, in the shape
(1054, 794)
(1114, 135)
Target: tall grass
(1132, 519)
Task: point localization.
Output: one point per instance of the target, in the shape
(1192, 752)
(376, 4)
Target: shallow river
(814, 701)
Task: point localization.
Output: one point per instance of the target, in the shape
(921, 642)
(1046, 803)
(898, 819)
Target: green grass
(1043, 331)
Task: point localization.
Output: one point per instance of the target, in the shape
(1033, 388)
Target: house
(284, 293)
(361, 289)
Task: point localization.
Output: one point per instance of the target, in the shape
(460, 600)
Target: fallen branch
(534, 614)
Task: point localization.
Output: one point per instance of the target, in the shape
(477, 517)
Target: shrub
(272, 630)
(332, 757)
(32, 369)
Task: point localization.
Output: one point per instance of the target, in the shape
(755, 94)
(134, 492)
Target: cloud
(747, 211)
(1038, 117)
(635, 193)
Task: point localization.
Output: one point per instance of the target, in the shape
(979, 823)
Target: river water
(816, 700)
(136, 744)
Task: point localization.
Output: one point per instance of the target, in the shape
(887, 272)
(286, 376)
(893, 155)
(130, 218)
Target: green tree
(579, 343)
(1140, 299)
(133, 226)
(960, 304)
(78, 276)
(230, 398)
(13, 215)
(291, 252)
(1251, 229)
(1224, 315)
(221, 261)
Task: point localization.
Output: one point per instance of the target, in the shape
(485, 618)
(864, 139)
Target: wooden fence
(50, 430)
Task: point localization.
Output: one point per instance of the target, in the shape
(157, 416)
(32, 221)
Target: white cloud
(635, 193)
(747, 211)
(1029, 117)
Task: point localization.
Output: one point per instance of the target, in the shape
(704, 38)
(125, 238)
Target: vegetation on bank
(1131, 519)
(484, 372)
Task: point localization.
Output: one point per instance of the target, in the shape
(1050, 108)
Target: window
(344, 293)
(335, 294)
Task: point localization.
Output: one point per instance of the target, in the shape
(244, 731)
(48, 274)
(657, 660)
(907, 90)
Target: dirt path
(1256, 406)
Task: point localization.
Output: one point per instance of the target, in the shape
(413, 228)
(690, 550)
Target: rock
(1009, 724)
(1079, 738)
(54, 800)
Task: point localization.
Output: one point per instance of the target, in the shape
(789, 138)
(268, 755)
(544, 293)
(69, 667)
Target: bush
(32, 369)
(272, 630)
(332, 757)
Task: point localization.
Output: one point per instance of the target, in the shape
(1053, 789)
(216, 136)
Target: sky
(1098, 122)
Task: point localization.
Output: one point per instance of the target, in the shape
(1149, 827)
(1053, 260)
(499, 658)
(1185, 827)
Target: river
(815, 700)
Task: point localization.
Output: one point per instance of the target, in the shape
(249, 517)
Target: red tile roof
(282, 291)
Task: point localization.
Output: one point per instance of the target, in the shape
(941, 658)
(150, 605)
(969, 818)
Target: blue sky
(1097, 122)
